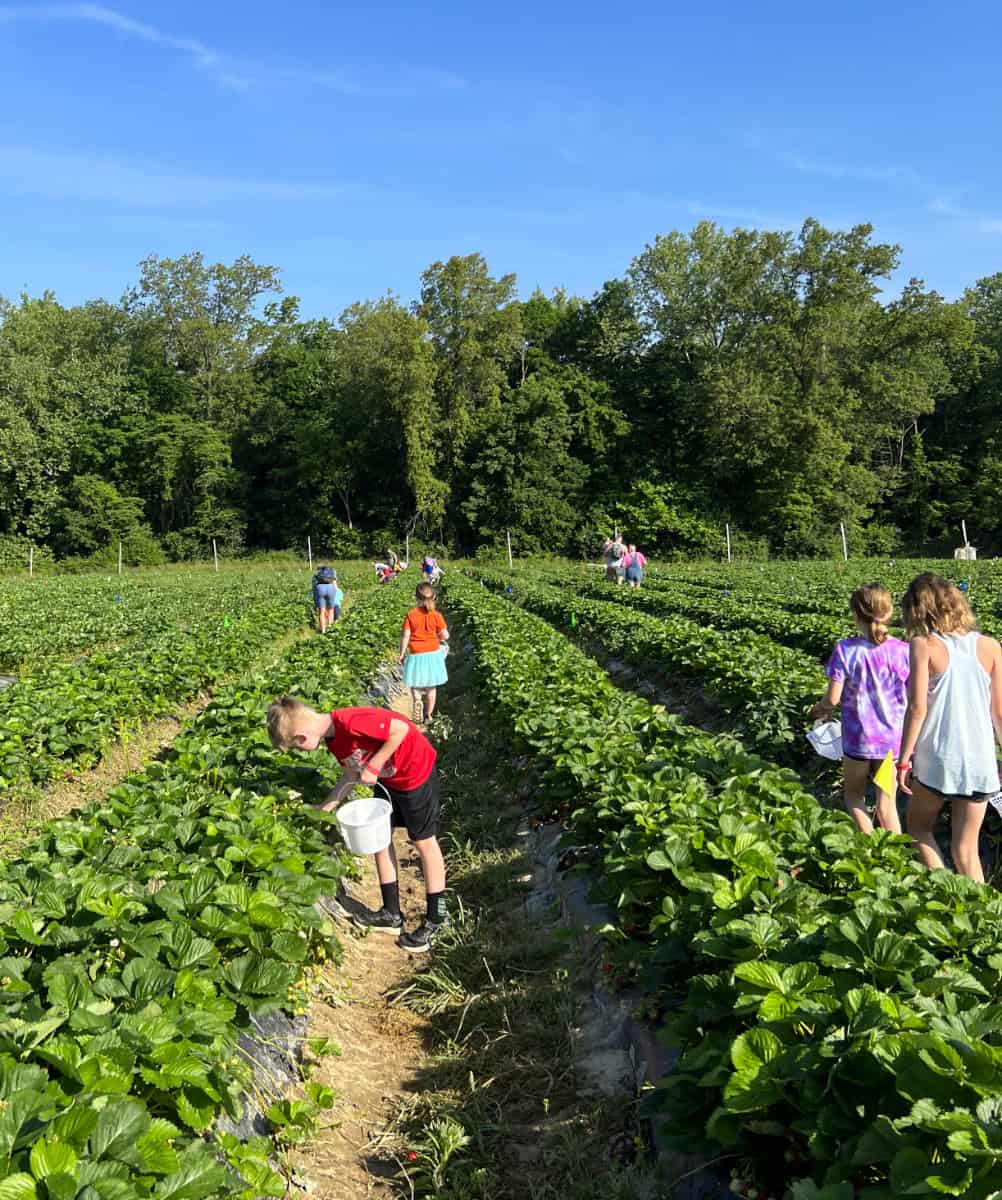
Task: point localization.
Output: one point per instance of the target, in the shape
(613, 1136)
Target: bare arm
(825, 707)
(349, 777)
(918, 702)
(398, 731)
(405, 641)
(996, 694)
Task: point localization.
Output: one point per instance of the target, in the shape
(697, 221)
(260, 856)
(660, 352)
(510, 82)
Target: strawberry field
(139, 937)
(143, 647)
(834, 1008)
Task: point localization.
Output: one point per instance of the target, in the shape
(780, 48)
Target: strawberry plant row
(138, 937)
(45, 618)
(766, 688)
(66, 713)
(833, 1003)
(41, 619)
(814, 634)
(764, 612)
(792, 589)
(824, 588)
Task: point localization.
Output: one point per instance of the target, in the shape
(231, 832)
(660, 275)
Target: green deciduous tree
(62, 372)
(761, 377)
(386, 368)
(792, 386)
(94, 514)
(208, 320)
(475, 326)
(522, 474)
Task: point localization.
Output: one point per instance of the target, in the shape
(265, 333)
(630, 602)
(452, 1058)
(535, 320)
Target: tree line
(765, 379)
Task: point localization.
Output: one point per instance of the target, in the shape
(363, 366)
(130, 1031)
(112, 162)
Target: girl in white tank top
(954, 715)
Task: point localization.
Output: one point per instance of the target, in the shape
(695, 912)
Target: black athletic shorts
(416, 809)
(974, 797)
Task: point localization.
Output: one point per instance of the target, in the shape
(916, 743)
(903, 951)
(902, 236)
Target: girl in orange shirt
(423, 644)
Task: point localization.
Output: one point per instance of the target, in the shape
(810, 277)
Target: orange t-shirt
(424, 627)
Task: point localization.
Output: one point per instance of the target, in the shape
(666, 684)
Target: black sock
(391, 896)
(436, 906)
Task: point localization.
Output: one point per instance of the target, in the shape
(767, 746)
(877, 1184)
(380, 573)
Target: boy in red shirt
(375, 744)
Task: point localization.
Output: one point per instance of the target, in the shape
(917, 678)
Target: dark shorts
(416, 810)
(635, 574)
(974, 797)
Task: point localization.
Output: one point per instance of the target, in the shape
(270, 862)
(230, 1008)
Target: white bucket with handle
(826, 738)
(365, 824)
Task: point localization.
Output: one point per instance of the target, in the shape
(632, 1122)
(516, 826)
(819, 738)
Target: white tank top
(955, 751)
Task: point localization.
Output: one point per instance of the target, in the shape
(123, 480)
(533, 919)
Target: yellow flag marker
(885, 777)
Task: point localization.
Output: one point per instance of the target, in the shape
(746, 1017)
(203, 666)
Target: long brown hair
(872, 606)
(425, 596)
(933, 604)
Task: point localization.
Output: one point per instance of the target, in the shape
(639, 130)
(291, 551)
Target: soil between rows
(381, 1047)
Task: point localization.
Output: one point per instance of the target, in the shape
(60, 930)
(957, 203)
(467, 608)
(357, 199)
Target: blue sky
(352, 145)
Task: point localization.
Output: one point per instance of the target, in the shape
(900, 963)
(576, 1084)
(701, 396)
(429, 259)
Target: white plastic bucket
(365, 824)
(826, 738)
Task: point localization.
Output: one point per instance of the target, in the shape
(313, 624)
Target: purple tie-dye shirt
(874, 694)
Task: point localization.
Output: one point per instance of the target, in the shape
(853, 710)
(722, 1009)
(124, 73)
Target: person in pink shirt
(869, 677)
(634, 562)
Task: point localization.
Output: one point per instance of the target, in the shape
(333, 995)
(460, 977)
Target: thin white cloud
(376, 83)
(395, 81)
(863, 172)
(677, 207)
(65, 174)
(969, 219)
(201, 55)
(945, 206)
(746, 216)
(934, 199)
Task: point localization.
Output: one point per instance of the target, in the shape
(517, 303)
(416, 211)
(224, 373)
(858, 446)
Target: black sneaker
(423, 938)
(344, 905)
(382, 921)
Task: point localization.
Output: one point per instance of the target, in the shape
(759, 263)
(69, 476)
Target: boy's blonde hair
(933, 604)
(284, 715)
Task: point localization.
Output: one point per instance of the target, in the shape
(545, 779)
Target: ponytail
(425, 596)
(872, 607)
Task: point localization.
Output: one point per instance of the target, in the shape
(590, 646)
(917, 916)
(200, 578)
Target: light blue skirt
(425, 670)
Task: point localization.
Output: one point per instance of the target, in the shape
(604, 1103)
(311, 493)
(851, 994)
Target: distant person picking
(327, 597)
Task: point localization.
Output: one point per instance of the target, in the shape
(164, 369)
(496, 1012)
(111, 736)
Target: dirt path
(381, 1047)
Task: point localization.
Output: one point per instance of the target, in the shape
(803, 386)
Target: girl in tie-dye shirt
(869, 677)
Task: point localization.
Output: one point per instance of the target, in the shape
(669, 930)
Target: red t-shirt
(359, 732)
